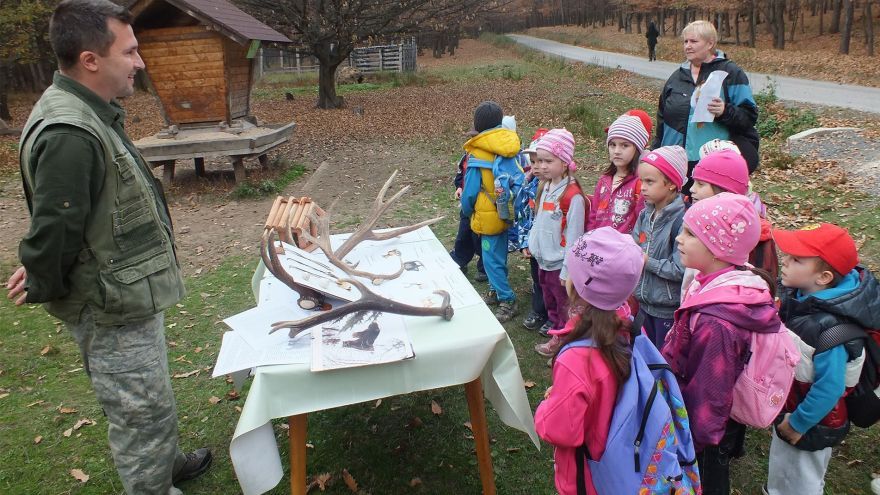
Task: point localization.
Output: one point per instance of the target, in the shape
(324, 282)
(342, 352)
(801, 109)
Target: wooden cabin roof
(222, 15)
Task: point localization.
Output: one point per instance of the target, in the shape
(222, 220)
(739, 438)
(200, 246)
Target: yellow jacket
(479, 203)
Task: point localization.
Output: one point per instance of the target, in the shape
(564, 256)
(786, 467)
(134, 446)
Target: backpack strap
(571, 190)
(576, 343)
(581, 454)
(839, 334)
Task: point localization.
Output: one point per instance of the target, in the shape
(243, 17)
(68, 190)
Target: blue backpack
(649, 448)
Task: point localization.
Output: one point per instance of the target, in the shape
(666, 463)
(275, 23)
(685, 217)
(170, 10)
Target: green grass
(250, 189)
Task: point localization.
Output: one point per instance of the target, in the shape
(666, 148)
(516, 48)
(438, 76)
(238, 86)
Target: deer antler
(308, 297)
(369, 301)
(365, 229)
(323, 242)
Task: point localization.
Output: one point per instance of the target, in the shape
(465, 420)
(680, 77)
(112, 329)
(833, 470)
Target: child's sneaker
(506, 310)
(545, 329)
(481, 277)
(533, 321)
(491, 297)
(549, 348)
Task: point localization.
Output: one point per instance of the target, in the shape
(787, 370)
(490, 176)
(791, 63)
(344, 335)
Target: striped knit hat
(560, 143)
(672, 161)
(630, 128)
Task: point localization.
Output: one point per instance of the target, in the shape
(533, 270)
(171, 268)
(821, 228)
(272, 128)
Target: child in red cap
(823, 288)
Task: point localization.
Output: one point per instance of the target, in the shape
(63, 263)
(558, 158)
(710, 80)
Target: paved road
(787, 88)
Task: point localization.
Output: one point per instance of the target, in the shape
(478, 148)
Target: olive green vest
(128, 269)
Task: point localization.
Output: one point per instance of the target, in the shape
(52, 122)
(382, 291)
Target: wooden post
(199, 164)
(167, 172)
(238, 168)
(297, 435)
(474, 393)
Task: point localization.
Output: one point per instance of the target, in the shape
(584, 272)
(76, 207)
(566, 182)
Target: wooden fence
(395, 58)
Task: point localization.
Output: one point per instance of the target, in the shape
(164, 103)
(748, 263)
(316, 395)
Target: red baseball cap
(827, 241)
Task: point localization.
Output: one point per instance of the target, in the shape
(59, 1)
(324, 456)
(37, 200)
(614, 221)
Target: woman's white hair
(703, 29)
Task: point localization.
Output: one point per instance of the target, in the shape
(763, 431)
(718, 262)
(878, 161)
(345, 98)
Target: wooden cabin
(199, 57)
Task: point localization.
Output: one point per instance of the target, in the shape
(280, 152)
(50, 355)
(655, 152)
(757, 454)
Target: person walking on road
(651, 34)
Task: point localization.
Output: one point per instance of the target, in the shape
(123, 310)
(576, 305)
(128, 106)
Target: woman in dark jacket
(735, 111)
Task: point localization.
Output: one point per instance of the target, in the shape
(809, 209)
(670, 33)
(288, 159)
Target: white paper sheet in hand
(704, 94)
(360, 339)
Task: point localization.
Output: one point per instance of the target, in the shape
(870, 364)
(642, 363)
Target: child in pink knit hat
(662, 172)
(723, 169)
(560, 213)
(617, 199)
(710, 340)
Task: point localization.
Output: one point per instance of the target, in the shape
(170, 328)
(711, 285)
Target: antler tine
(323, 243)
(390, 234)
(369, 301)
(381, 196)
(365, 229)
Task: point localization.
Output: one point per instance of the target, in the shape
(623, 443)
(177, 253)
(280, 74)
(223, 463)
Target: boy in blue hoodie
(492, 178)
(822, 287)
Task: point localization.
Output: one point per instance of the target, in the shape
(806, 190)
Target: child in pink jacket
(710, 340)
(617, 200)
(603, 267)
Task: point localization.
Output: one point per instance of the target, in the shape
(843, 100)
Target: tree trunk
(753, 24)
(662, 24)
(4, 93)
(846, 34)
(869, 28)
(736, 26)
(329, 56)
(834, 28)
(822, 18)
(796, 8)
(639, 23)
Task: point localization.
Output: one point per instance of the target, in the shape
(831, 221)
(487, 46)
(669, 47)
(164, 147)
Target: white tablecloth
(449, 353)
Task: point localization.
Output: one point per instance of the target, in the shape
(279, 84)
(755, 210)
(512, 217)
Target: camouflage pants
(128, 368)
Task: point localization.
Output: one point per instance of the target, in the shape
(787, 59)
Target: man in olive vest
(100, 251)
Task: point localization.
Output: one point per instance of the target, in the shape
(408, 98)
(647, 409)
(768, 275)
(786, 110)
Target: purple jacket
(708, 358)
(617, 208)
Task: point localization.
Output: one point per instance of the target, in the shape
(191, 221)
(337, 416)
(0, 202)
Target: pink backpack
(761, 389)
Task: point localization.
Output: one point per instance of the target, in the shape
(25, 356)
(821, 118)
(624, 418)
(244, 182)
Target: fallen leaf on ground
(435, 408)
(232, 395)
(83, 422)
(32, 404)
(511, 450)
(198, 350)
(529, 384)
(415, 482)
(79, 475)
(46, 350)
(377, 404)
(320, 481)
(214, 400)
(66, 410)
(415, 422)
(349, 481)
(68, 432)
(38, 439)
(4, 395)
(187, 375)
(468, 425)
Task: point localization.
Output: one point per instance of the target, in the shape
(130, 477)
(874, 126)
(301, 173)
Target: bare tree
(846, 34)
(332, 28)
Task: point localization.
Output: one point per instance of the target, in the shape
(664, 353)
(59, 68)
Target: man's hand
(787, 432)
(526, 253)
(547, 392)
(16, 286)
(716, 107)
(458, 193)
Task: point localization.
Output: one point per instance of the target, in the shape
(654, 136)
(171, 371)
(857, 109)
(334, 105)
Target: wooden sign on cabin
(199, 57)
